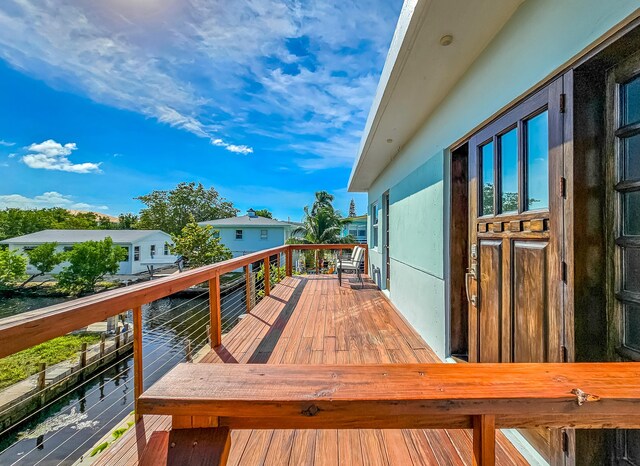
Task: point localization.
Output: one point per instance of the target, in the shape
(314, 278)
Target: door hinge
(565, 354)
(565, 442)
(563, 187)
(563, 103)
(563, 266)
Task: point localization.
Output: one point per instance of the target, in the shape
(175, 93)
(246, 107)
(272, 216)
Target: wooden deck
(312, 320)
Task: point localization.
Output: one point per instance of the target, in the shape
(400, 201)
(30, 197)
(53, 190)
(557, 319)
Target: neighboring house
(501, 158)
(250, 233)
(357, 228)
(144, 247)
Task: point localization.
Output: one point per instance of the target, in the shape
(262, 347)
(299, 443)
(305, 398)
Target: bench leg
(484, 440)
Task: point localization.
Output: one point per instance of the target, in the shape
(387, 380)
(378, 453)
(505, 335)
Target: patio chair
(352, 265)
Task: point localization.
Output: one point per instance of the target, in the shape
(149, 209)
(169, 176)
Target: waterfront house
(250, 233)
(501, 164)
(356, 227)
(501, 158)
(145, 248)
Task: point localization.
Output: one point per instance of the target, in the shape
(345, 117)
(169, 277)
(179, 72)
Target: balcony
(303, 324)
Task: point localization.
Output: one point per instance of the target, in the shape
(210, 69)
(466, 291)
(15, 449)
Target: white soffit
(419, 73)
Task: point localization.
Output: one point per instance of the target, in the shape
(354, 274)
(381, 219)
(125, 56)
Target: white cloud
(12, 155)
(51, 155)
(216, 71)
(48, 199)
(232, 147)
(6, 143)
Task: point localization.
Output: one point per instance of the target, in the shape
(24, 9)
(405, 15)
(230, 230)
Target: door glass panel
(509, 171)
(631, 209)
(632, 326)
(631, 101)
(631, 148)
(537, 131)
(631, 267)
(486, 154)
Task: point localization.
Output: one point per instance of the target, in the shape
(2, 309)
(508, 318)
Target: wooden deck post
(247, 286)
(366, 258)
(138, 380)
(484, 440)
(289, 261)
(267, 276)
(214, 311)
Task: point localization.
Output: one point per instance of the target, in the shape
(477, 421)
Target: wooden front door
(516, 227)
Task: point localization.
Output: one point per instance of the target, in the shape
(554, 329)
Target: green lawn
(21, 365)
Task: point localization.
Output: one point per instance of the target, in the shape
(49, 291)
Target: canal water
(64, 431)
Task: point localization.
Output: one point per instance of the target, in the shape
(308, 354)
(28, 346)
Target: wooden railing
(31, 328)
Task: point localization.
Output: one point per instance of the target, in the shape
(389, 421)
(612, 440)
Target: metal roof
(247, 221)
(79, 236)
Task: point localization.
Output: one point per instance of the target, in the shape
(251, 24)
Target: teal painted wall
(541, 36)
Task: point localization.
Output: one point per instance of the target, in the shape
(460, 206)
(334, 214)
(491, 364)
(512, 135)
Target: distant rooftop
(79, 236)
(248, 221)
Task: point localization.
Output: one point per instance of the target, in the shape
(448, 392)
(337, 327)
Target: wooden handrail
(30, 328)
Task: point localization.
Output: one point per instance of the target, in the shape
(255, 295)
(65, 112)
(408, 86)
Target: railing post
(484, 440)
(289, 261)
(215, 319)
(138, 380)
(267, 276)
(366, 259)
(247, 286)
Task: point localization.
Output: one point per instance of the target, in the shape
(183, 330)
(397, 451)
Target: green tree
(127, 221)
(264, 213)
(89, 262)
(44, 258)
(323, 227)
(13, 267)
(18, 222)
(352, 208)
(198, 246)
(172, 210)
(323, 199)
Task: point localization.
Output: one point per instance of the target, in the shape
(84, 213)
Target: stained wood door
(516, 232)
(623, 225)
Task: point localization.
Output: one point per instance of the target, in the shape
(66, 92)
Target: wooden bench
(401, 396)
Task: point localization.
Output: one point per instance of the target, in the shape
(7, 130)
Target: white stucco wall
(540, 37)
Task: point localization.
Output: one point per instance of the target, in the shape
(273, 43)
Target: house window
(67, 248)
(353, 232)
(238, 234)
(28, 248)
(264, 234)
(374, 225)
(362, 233)
(152, 250)
(136, 253)
(166, 249)
(216, 233)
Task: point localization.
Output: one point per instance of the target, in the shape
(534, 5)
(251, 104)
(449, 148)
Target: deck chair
(352, 265)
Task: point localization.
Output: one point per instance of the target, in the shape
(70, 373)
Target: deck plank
(312, 319)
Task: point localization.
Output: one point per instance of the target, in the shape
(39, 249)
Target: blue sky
(265, 100)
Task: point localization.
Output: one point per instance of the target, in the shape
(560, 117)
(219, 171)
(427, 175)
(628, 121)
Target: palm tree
(323, 199)
(320, 227)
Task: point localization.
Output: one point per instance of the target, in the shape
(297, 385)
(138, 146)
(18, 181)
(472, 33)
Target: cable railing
(219, 295)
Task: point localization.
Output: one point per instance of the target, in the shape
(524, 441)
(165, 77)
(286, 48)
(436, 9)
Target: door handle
(472, 298)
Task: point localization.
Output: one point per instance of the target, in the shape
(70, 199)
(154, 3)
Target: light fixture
(446, 40)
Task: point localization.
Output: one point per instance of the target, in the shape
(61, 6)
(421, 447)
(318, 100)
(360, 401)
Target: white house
(250, 233)
(144, 247)
(501, 159)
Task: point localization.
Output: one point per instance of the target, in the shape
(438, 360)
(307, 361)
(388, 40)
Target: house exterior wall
(251, 240)
(539, 38)
(358, 225)
(126, 267)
